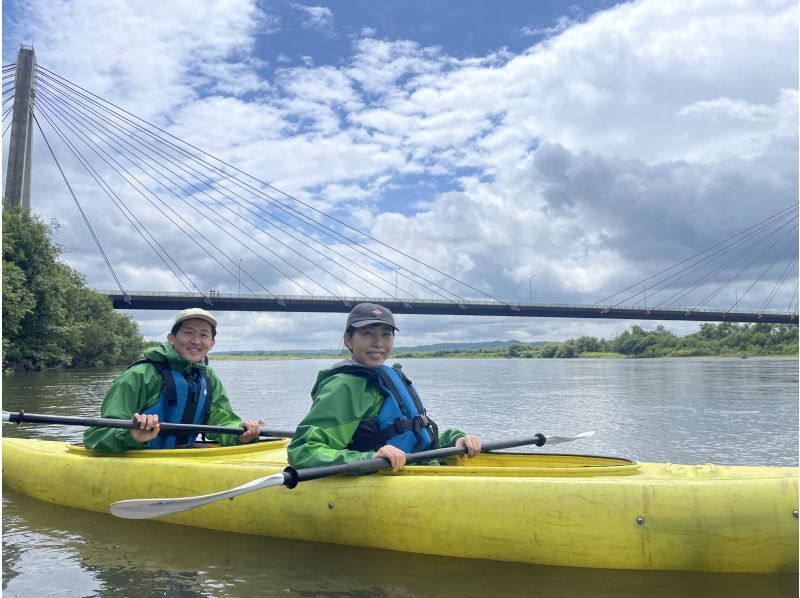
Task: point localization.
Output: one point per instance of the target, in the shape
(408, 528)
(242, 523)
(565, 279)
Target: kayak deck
(566, 510)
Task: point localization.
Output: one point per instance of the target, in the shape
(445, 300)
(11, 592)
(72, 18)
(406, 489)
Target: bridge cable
(118, 202)
(714, 249)
(5, 115)
(790, 266)
(299, 201)
(120, 170)
(754, 242)
(201, 161)
(77, 203)
(198, 189)
(137, 152)
(757, 228)
(305, 219)
(794, 302)
(194, 171)
(745, 267)
(8, 111)
(165, 141)
(122, 154)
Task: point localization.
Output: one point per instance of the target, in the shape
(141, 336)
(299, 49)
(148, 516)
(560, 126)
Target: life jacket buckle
(420, 421)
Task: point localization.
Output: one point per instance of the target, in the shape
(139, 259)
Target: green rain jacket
(340, 403)
(139, 387)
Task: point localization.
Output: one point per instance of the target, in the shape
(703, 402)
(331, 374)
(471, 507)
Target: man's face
(193, 341)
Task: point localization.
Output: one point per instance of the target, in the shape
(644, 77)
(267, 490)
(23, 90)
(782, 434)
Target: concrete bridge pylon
(18, 172)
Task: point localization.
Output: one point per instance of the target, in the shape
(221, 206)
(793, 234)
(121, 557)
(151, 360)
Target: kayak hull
(562, 510)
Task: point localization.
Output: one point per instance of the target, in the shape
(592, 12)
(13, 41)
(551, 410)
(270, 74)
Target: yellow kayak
(544, 509)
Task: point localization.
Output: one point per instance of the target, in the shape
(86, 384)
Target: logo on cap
(377, 312)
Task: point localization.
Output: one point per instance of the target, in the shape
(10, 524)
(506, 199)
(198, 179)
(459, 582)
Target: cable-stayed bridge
(231, 241)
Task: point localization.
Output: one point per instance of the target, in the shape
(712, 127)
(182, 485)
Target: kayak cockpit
(529, 465)
(485, 464)
(198, 450)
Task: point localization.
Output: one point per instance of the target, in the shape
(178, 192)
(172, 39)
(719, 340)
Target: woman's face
(370, 345)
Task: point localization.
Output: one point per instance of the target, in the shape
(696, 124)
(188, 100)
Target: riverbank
(726, 339)
(457, 355)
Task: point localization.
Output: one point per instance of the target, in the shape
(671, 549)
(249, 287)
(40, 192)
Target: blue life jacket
(182, 400)
(401, 421)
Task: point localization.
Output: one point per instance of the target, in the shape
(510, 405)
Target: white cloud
(319, 18)
(562, 24)
(139, 54)
(610, 149)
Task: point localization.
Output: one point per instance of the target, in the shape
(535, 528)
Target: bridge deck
(236, 302)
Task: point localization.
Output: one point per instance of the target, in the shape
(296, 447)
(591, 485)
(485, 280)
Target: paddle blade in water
(150, 508)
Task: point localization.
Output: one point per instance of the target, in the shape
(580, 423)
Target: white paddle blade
(150, 508)
(553, 440)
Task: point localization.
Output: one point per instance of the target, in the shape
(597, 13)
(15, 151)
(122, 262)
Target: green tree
(588, 344)
(50, 318)
(515, 350)
(549, 350)
(567, 350)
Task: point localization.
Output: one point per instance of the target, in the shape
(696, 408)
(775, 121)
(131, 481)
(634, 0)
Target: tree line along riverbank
(52, 320)
(712, 340)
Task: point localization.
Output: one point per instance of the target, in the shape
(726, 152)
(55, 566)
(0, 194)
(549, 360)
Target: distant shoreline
(321, 356)
(725, 340)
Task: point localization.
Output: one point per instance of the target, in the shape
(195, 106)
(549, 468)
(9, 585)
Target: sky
(534, 150)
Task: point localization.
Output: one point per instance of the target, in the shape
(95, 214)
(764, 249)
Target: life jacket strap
(401, 426)
(166, 375)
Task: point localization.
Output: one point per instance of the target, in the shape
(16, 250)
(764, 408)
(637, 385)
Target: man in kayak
(172, 384)
(363, 408)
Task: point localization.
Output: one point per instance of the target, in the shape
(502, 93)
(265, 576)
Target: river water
(725, 411)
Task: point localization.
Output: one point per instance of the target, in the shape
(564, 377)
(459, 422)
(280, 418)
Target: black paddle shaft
(295, 476)
(105, 422)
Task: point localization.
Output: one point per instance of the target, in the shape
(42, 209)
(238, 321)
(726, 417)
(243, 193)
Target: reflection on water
(99, 555)
(726, 411)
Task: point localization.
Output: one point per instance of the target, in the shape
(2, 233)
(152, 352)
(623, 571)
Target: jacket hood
(323, 374)
(331, 371)
(165, 352)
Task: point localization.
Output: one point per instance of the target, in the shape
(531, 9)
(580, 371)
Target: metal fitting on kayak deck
(640, 520)
(330, 504)
(796, 514)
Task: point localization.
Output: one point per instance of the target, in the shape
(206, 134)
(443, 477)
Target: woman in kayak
(363, 408)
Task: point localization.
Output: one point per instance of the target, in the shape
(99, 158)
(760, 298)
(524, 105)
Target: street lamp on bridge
(530, 286)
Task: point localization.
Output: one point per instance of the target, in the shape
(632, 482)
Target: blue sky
(588, 144)
(463, 29)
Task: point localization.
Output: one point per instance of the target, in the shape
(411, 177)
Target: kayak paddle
(149, 508)
(105, 422)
